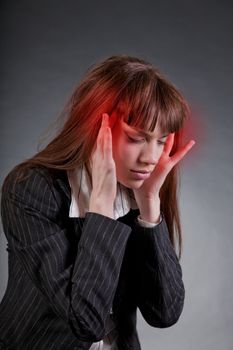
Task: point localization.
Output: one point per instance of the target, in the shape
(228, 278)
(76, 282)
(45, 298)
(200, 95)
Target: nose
(150, 154)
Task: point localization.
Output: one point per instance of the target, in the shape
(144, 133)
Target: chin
(133, 185)
(137, 184)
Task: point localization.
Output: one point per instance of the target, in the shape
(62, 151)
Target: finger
(112, 120)
(108, 143)
(99, 132)
(102, 132)
(181, 153)
(169, 143)
(105, 121)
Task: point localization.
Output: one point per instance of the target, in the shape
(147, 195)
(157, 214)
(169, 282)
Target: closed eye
(139, 141)
(161, 142)
(134, 140)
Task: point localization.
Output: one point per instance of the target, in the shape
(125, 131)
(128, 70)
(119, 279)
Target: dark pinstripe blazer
(66, 273)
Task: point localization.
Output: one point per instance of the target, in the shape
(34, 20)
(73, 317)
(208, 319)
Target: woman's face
(134, 151)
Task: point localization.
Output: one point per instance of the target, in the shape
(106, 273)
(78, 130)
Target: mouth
(141, 171)
(139, 175)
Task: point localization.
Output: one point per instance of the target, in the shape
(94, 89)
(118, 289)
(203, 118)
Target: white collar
(81, 190)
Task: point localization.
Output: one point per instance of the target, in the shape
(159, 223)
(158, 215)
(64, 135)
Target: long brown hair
(148, 99)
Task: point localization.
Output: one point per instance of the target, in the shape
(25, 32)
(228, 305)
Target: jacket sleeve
(159, 289)
(80, 292)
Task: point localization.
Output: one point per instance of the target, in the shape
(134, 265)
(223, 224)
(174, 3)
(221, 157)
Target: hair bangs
(154, 103)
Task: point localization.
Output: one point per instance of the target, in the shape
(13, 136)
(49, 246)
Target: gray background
(47, 45)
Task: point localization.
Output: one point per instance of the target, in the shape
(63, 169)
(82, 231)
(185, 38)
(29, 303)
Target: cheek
(123, 152)
(131, 152)
(126, 156)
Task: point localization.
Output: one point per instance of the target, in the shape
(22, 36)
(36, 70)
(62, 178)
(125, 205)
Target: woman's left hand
(151, 187)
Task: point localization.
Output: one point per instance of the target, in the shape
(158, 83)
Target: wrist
(150, 210)
(148, 223)
(98, 206)
(150, 220)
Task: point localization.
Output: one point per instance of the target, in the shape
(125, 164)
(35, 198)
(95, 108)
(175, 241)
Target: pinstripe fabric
(65, 273)
(80, 196)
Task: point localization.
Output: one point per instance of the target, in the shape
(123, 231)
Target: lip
(141, 171)
(139, 175)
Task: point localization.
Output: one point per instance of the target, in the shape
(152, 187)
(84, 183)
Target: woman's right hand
(104, 181)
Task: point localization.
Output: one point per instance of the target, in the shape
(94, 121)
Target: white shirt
(80, 194)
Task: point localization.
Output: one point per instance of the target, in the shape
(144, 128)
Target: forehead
(157, 133)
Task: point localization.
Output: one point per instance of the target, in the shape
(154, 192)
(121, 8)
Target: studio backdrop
(46, 47)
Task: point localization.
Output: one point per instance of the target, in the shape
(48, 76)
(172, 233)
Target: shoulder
(36, 181)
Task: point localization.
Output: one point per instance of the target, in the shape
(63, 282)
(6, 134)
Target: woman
(90, 237)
